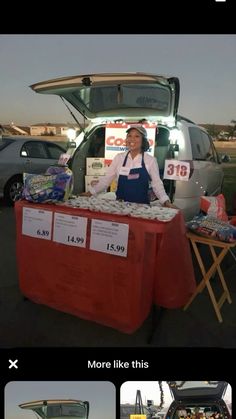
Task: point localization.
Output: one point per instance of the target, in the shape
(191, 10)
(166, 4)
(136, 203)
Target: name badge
(124, 171)
(134, 176)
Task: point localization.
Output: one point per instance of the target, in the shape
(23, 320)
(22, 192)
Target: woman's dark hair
(145, 144)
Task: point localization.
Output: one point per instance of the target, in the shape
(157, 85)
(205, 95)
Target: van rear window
(101, 98)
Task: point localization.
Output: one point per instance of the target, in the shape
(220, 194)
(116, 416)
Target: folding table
(208, 274)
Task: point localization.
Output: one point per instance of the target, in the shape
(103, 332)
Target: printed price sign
(37, 223)
(109, 237)
(63, 159)
(177, 170)
(70, 229)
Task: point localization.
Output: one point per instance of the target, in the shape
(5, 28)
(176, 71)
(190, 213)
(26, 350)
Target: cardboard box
(91, 181)
(95, 166)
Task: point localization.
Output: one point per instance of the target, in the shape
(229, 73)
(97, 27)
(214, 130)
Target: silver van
(152, 100)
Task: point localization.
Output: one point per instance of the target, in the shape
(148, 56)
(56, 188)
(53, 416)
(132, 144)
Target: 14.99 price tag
(37, 223)
(177, 170)
(70, 229)
(109, 237)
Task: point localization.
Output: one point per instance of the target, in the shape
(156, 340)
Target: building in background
(41, 129)
(50, 129)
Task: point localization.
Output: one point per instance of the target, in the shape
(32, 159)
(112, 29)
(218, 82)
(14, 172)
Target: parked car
(141, 98)
(56, 409)
(23, 154)
(202, 397)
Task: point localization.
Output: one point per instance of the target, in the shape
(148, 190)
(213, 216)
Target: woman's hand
(88, 194)
(168, 204)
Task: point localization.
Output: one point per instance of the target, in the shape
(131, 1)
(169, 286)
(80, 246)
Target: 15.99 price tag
(37, 223)
(70, 229)
(109, 237)
(177, 170)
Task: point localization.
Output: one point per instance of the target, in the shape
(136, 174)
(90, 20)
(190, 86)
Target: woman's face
(134, 140)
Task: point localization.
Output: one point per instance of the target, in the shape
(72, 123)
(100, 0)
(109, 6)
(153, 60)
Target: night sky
(205, 65)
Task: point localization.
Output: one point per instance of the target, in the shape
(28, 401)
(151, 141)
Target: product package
(214, 206)
(211, 227)
(53, 186)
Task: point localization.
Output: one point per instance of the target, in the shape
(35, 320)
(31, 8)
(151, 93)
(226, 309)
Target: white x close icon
(13, 364)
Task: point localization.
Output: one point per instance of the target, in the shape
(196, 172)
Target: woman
(134, 169)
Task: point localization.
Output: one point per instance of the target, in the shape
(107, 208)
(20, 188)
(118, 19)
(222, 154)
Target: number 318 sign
(176, 170)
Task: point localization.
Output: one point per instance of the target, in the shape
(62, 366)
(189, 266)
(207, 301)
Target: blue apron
(134, 187)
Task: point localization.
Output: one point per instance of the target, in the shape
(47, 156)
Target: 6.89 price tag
(177, 170)
(37, 223)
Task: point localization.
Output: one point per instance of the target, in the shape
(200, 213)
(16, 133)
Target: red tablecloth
(174, 276)
(111, 290)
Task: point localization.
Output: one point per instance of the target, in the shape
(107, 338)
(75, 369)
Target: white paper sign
(63, 159)
(109, 237)
(177, 170)
(70, 229)
(37, 223)
(124, 171)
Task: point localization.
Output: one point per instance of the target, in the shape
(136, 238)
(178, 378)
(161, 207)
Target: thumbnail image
(60, 399)
(176, 400)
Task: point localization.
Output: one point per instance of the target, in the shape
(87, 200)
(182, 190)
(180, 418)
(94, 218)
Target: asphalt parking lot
(26, 324)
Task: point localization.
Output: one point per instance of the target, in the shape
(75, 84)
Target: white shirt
(113, 172)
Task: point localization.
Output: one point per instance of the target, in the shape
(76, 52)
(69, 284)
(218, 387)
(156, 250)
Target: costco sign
(115, 139)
